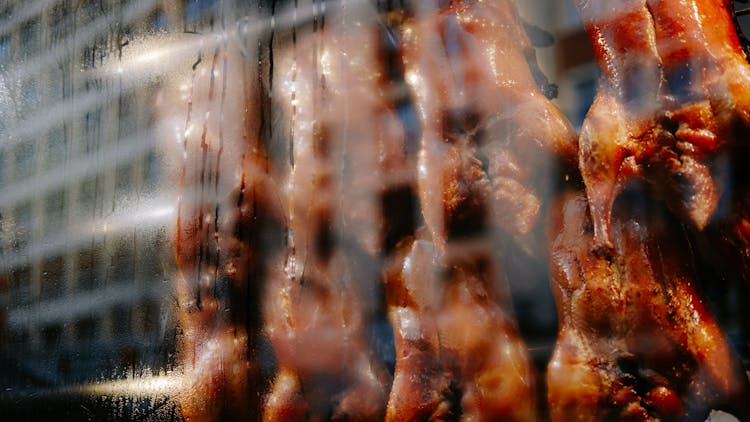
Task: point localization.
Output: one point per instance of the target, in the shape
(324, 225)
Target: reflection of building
(83, 242)
(570, 63)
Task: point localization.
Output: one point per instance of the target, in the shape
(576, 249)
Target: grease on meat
(487, 127)
(208, 119)
(317, 304)
(635, 342)
(673, 92)
(458, 354)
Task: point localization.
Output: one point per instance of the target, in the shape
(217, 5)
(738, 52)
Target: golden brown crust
(633, 330)
(673, 91)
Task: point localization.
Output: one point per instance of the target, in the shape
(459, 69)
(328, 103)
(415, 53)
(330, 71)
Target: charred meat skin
(672, 94)
(447, 366)
(485, 122)
(635, 341)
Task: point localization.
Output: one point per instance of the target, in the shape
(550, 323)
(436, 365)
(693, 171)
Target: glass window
(20, 285)
(29, 100)
(88, 269)
(25, 160)
(159, 21)
(149, 317)
(18, 337)
(2, 168)
(122, 263)
(4, 50)
(127, 120)
(585, 90)
(55, 86)
(152, 167)
(60, 20)
(54, 211)
(198, 10)
(90, 9)
(23, 217)
(86, 329)
(92, 123)
(90, 194)
(52, 283)
(56, 148)
(29, 38)
(121, 322)
(51, 336)
(124, 181)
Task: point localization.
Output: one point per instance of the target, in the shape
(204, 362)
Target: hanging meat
(227, 200)
(635, 341)
(489, 135)
(458, 355)
(318, 303)
(673, 94)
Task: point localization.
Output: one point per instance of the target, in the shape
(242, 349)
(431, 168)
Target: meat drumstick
(635, 341)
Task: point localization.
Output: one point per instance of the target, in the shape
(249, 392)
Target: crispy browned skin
(458, 355)
(635, 341)
(673, 90)
(317, 303)
(486, 127)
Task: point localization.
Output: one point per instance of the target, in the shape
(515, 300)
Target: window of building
(159, 21)
(121, 322)
(89, 194)
(568, 19)
(127, 121)
(149, 317)
(25, 160)
(122, 263)
(151, 169)
(584, 85)
(18, 338)
(56, 148)
(88, 269)
(20, 285)
(4, 50)
(51, 336)
(22, 217)
(54, 211)
(55, 86)
(90, 9)
(29, 99)
(30, 38)
(92, 123)
(149, 263)
(2, 167)
(198, 10)
(52, 283)
(124, 181)
(86, 329)
(60, 20)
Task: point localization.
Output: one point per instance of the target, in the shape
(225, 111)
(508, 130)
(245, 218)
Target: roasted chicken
(487, 129)
(227, 198)
(673, 94)
(317, 304)
(458, 355)
(635, 341)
